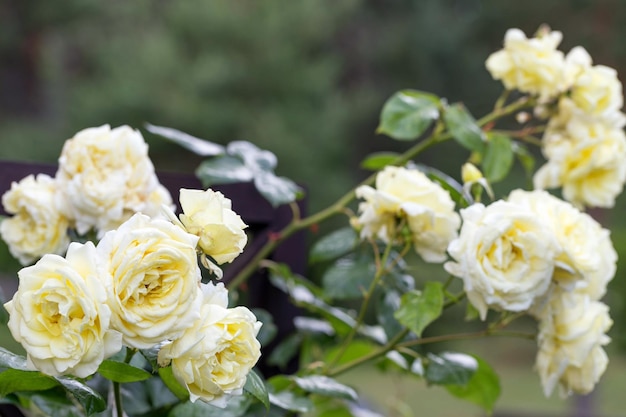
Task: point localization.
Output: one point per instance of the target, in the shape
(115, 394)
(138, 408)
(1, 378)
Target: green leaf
(305, 294)
(196, 145)
(13, 380)
(91, 401)
(526, 159)
(170, 381)
(407, 114)
(482, 389)
(450, 368)
(255, 386)
(334, 245)
(463, 128)
(236, 406)
(276, 190)
(53, 403)
(419, 309)
(122, 372)
(285, 351)
(349, 277)
(324, 385)
(224, 169)
(388, 303)
(11, 360)
(379, 160)
(289, 401)
(498, 158)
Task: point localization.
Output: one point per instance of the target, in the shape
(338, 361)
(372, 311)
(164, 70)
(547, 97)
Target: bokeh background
(305, 79)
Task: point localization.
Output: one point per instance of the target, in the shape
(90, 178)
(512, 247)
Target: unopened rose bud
(470, 174)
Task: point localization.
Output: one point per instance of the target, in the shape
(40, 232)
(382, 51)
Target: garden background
(305, 79)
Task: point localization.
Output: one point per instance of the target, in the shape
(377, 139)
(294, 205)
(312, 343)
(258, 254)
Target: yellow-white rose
(403, 194)
(532, 65)
(586, 159)
(588, 259)
(209, 215)
(151, 273)
(213, 357)
(37, 227)
(596, 91)
(571, 335)
(103, 172)
(60, 316)
(504, 255)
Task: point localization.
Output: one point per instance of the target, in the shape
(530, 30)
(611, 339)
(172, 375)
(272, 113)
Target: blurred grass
(521, 395)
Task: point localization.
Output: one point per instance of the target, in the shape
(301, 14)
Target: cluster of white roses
(139, 287)
(531, 253)
(584, 142)
(104, 177)
(539, 254)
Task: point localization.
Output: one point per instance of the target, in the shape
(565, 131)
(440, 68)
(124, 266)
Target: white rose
(571, 335)
(60, 316)
(37, 226)
(150, 270)
(532, 66)
(152, 206)
(208, 215)
(408, 194)
(588, 259)
(213, 357)
(586, 159)
(504, 255)
(102, 173)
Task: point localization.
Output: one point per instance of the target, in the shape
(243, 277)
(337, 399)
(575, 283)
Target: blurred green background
(305, 79)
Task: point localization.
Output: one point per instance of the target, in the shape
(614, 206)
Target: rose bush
(185, 346)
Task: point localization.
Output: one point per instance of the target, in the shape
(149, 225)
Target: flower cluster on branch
(117, 272)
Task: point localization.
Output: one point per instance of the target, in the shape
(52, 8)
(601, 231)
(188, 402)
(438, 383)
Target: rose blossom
(588, 259)
(572, 331)
(504, 255)
(60, 316)
(596, 91)
(408, 194)
(208, 214)
(104, 173)
(586, 159)
(150, 270)
(37, 227)
(213, 357)
(532, 65)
